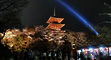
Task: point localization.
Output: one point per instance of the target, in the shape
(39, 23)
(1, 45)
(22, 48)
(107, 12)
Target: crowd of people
(36, 55)
(89, 56)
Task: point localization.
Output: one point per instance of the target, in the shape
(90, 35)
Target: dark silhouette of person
(75, 54)
(88, 56)
(82, 56)
(101, 56)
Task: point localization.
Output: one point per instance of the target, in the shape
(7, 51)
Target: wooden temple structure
(55, 23)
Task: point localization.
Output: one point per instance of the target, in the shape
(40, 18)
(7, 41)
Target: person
(30, 55)
(60, 55)
(101, 56)
(75, 54)
(96, 57)
(36, 54)
(25, 55)
(88, 56)
(82, 56)
(22, 55)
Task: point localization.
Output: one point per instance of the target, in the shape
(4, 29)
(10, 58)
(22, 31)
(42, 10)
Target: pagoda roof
(54, 26)
(54, 19)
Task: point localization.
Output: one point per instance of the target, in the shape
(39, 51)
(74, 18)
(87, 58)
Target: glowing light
(11, 45)
(90, 49)
(101, 48)
(84, 21)
(82, 50)
(96, 49)
(60, 37)
(73, 44)
(79, 51)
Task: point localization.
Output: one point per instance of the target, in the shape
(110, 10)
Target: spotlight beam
(84, 21)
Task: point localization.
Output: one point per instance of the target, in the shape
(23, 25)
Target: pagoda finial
(54, 12)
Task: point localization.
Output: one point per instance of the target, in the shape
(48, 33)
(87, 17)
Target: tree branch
(7, 6)
(107, 5)
(4, 1)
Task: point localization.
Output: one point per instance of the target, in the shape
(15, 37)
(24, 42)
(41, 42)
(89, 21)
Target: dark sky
(38, 12)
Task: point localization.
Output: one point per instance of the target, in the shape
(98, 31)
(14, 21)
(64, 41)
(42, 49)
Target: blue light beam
(78, 16)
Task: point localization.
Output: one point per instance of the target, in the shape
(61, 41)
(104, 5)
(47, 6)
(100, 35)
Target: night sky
(37, 12)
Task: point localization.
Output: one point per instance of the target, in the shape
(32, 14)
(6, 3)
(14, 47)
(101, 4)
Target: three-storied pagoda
(54, 23)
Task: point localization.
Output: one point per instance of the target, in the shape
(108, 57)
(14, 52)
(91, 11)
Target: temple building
(54, 23)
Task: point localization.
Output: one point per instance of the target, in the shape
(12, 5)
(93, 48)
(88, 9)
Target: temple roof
(54, 19)
(55, 26)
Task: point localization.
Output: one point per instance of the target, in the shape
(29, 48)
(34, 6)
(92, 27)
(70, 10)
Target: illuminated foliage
(104, 38)
(13, 40)
(55, 38)
(76, 38)
(105, 35)
(49, 40)
(41, 39)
